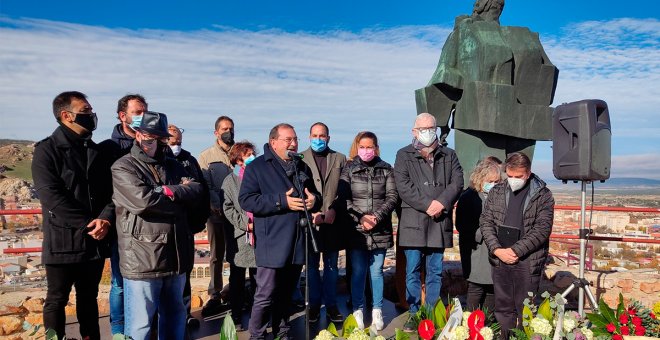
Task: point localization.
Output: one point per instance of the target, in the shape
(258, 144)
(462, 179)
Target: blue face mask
(136, 121)
(319, 145)
(487, 186)
(249, 160)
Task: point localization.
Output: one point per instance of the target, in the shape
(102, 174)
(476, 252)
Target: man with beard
(72, 179)
(216, 159)
(270, 192)
(129, 112)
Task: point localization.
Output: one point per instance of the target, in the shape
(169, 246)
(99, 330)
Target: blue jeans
(116, 293)
(146, 297)
(360, 259)
(327, 290)
(433, 282)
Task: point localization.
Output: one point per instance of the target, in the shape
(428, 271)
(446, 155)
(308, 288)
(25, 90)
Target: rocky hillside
(16, 159)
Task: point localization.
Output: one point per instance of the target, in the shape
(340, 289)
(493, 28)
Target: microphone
(294, 155)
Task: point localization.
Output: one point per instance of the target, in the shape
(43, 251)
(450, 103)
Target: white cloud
(352, 81)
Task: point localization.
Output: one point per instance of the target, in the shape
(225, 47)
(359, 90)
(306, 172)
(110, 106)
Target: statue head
(488, 10)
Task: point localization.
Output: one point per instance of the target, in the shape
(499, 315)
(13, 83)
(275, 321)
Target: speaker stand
(580, 282)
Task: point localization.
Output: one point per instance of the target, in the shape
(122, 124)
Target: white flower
(541, 326)
(460, 333)
(379, 337)
(466, 315)
(587, 333)
(569, 324)
(358, 335)
(324, 335)
(487, 333)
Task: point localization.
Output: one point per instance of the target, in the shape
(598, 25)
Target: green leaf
(349, 325)
(401, 335)
(35, 330)
(120, 337)
(228, 329)
(51, 334)
(439, 314)
(545, 310)
(597, 320)
(607, 312)
(620, 307)
(527, 316)
(332, 329)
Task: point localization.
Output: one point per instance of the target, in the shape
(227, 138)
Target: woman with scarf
(367, 186)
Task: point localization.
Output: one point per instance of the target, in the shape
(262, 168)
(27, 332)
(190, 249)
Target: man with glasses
(326, 165)
(429, 179)
(215, 166)
(155, 198)
(129, 112)
(72, 179)
(270, 191)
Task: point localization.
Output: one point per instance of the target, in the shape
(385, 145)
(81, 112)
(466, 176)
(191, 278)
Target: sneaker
(359, 318)
(314, 313)
(191, 322)
(333, 314)
(213, 307)
(410, 326)
(297, 306)
(238, 325)
(377, 319)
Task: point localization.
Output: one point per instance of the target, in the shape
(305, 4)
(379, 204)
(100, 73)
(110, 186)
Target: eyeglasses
(90, 112)
(425, 129)
(289, 140)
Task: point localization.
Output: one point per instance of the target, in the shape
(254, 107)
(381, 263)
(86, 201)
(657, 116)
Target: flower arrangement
(451, 323)
(634, 319)
(549, 321)
(349, 331)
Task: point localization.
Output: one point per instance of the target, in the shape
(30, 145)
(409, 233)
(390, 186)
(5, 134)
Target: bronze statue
(498, 83)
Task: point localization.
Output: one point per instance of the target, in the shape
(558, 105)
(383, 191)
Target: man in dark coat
(270, 191)
(326, 165)
(72, 179)
(129, 112)
(516, 224)
(155, 198)
(429, 179)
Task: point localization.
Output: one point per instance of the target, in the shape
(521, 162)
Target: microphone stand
(309, 236)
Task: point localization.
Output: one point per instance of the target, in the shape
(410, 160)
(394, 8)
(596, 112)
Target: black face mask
(227, 138)
(87, 121)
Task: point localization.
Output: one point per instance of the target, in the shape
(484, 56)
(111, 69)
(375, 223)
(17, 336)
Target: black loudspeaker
(582, 141)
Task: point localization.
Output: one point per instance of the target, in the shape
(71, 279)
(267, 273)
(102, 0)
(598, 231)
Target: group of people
(139, 198)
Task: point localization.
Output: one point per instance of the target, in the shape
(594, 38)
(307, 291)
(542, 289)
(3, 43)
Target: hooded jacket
(538, 213)
(153, 230)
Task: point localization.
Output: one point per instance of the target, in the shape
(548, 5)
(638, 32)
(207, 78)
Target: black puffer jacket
(538, 213)
(153, 230)
(369, 190)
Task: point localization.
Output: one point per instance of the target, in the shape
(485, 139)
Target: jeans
(60, 278)
(360, 259)
(433, 282)
(146, 297)
(325, 291)
(116, 296)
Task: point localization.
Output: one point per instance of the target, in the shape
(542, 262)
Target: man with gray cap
(154, 198)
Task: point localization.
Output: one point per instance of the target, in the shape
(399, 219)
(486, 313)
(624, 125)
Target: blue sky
(352, 64)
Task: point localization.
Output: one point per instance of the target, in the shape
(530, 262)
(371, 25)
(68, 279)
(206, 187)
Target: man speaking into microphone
(269, 192)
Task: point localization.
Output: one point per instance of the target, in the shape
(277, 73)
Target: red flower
(625, 330)
(426, 330)
(611, 328)
(475, 323)
(623, 318)
(640, 330)
(652, 316)
(632, 311)
(617, 337)
(637, 321)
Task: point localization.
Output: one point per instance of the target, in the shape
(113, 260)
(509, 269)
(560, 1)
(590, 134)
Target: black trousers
(272, 301)
(85, 277)
(480, 296)
(511, 283)
(237, 288)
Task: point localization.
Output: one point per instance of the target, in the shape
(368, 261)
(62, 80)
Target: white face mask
(176, 149)
(516, 183)
(426, 137)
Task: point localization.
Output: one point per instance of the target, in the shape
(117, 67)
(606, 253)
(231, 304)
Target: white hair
(424, 116)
